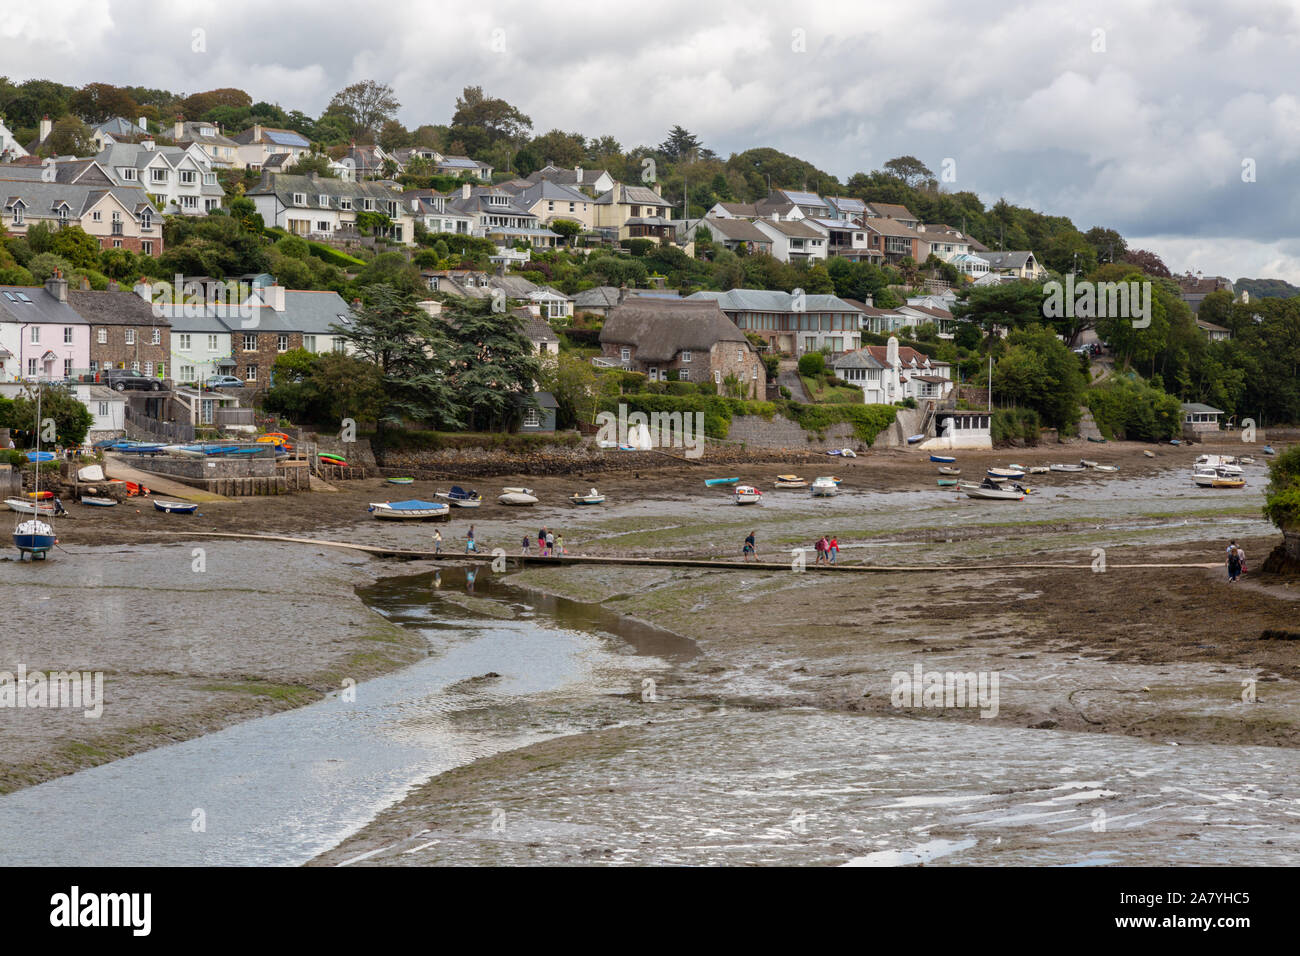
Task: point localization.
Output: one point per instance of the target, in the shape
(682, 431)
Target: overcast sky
(1136, 115)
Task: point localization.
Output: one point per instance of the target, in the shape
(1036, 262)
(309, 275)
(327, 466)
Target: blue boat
(174, 507)
(1268, 450)
(34, 537)
(712, 482)
(915, 438)
(411, 510)
(943, 459)
(40, 456)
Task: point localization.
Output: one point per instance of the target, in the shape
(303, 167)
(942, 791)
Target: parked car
(120, 379)
(224, 381)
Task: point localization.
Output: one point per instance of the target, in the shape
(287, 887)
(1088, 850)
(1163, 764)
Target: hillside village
(831, 297)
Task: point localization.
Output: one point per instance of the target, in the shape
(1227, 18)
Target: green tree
(366, 105)
(492, 362)
(1039, 372)
(566, 228)
(72, 419)
(576, 387)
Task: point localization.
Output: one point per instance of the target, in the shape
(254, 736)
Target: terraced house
(83, 194)
(124, 332)
(323, 208)
(42, 338)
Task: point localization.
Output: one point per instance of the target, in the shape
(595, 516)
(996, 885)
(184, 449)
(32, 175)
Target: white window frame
(130, 336)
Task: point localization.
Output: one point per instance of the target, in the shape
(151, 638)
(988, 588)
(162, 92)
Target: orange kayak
(43, 495)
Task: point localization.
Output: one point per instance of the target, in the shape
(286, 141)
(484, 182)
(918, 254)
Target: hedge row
(334, 257)
(1010, 424)
(868, 421)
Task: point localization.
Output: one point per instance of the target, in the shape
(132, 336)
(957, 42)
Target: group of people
(1236, 561)
(549, 544)
(828, 549)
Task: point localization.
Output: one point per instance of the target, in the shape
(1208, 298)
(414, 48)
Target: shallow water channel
(789, 786)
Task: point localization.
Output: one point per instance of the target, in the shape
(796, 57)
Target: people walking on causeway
(541, 542)
(550, 544)
(749, 550)
(1234, 564)
(559, 544)
(525, 544)
(822, 548)
(833, 548)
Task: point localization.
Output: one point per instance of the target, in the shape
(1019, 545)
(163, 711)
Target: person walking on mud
(524, 551)
(749, 551)
(437, 542)
(550, 544)
(559, 545)
(833, 549)
(1234, 565)
(469, 540)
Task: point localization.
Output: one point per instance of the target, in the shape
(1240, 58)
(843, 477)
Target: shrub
(1282, 496)
(812, 364)
(1127, 408)
(868, 421)
(1011, 424)
(334, 257)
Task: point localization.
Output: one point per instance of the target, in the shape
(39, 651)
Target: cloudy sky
(1151, 118)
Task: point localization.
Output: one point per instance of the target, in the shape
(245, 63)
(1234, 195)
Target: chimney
(273, 296)
(577, 175)
(143, 289)
(57, 286)
(464, 191)
(776, 217)
(257, 132)
(143, 123)
(622, 293)
(869, 300)
(147, 142)
(85, 284)
(46, 128)
(178, 131)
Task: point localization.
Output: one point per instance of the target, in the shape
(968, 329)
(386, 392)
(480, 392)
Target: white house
(177, 180)
(319, 206)
(259, 143)
(792, 240)
(892, 373)
(108, 407)
(10, 148)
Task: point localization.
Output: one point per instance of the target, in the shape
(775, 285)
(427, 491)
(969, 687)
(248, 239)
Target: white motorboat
(995, 494)
(747, 495)
(1006, 474)
(412, 510)
(1108, 468)
(592, 497)
(824, 487)
(461, 498)
(1039, 470)
(1204, 476)
(516, 498)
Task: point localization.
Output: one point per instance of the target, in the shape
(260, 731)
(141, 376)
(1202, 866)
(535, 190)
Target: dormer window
(368, 205)
(498, 200)
(300, 199)
(345, 204)
(18, 212)
(324, 200)
(128, 174)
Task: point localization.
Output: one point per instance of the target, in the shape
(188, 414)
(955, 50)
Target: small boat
(947, 482)
(97, 502)
(1005, 474)
(592, 497)
(280, 441)
(1204, 476)
(915, 438)
(1174, 441)
(747, 495)
(518, 491)
(142, 448)
(1245, 460)
(992, 493)
(1087, 464)
(1039, 470)
(944, 459)
(42, 495)
(461, 498)
(400, 481)
(412, 510)
(945, 470)
(1268, 450)
(1108, 468)
(133, 489)
(516, 498)
(824, 487)
(40, 456)
(1224, 482)
(26, 507)
(1099, 441)
(711, 482)
(91, 473)
(1148, 453)
(35, 538)
(184, 451)
(174, 507)
(790, 481)
(1067, 467)
(848, 453)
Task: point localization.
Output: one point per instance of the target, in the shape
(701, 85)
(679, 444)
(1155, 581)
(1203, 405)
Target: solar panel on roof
(808, 198)
(287, 139)
(459, 162)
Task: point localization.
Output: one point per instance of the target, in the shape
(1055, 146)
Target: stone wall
(781, 432)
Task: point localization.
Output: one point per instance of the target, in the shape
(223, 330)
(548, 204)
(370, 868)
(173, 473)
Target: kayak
(711, 482)
(400, 481)
(40, 456)
(332, 459)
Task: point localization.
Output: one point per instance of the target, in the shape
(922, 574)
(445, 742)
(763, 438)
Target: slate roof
(1006, 260)
(633, 196)
(1200, 409)
(770, 300)
(547, 189)
(888, 210)
(283, 186)
(40, 307)
(736, 230)
(119, 307)
(793, 228)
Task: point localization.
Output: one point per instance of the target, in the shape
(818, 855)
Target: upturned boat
(1005, 474)
(516, 498)
(517, 491)
(97, 502)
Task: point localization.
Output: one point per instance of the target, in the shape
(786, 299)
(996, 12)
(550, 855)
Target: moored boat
(34, 537)
(1067, 468)
(1099, 441)
(1268, 450)
(1108, 468)
(28, 507)
(1148, 453)
(97, 502)
(592, 497)
(517, 491)
(174, 507)
(1005, 474)
(790, 481)
(947, 482)
(712, 482)
(411, 510)
(949, 471)
(824, 487)
(996, 493)
(1087, 464)
(747, 495)
(461, 498)
(946, 459)
(400, 481)
(1228, 482)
